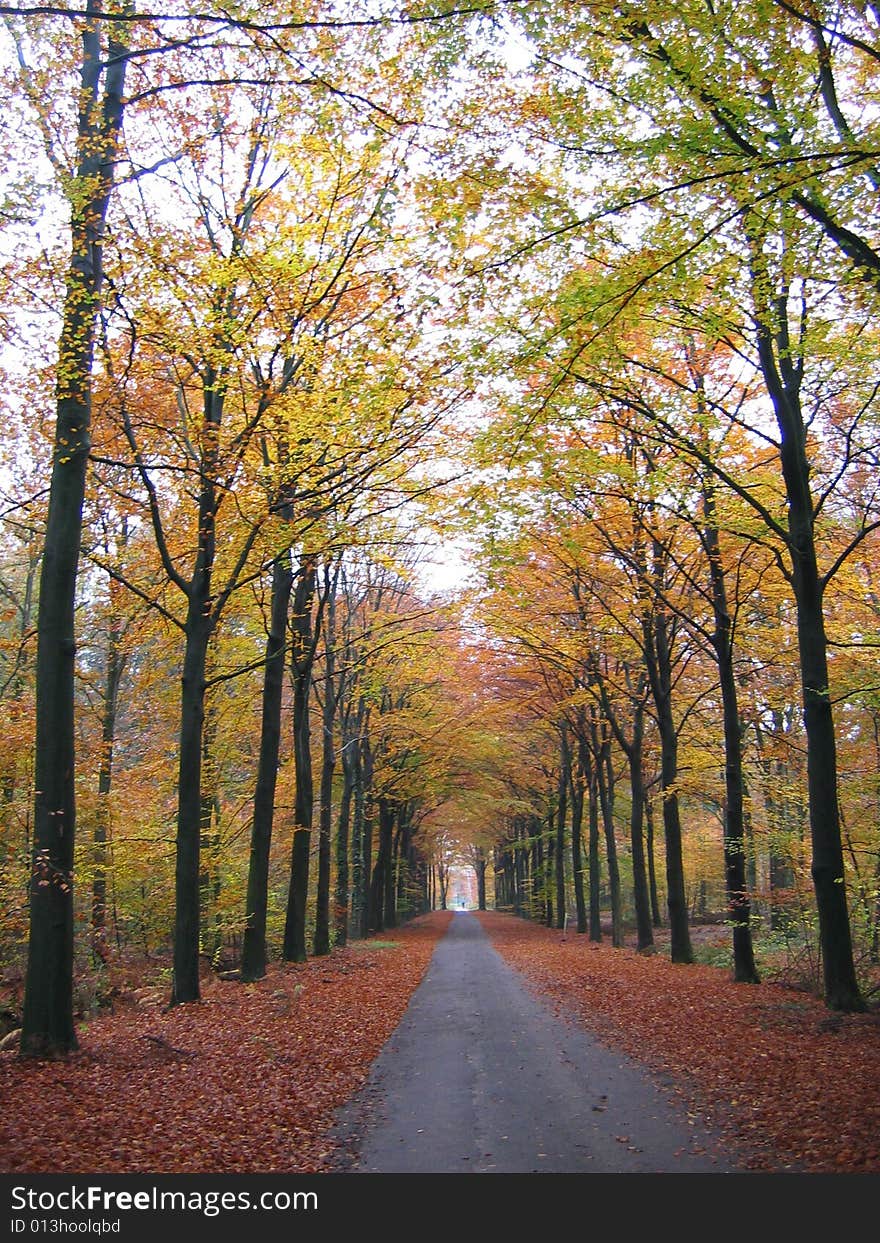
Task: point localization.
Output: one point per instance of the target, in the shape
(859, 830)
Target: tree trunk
(659, 666)
(782, 378)
(420, 875)
(577, 819)
(189, 797)
(738, 904)
(209, 843)
(302, 653)
(378, 907)
(393, 869)
(406, 871)
(595, 877)
(604, 778)
(253, 954)
(47, 1022)
(112, 679)
(644, 925)
(343, 827)
(367, 817)
(656, 917)
(520, 866)
(676, 898)
(328, 766)
(547, 849)
(443, 882)
(841, 987)
(200, 623)
(561, 814)
(586, 783)
(352, 756)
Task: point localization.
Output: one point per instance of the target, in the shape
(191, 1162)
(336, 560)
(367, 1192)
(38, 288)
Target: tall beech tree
(625, 716)
(328, 760)
(353, 713)
(578, 785)
(47, 1021)
(781, 361)
(254, 954)
(561, 817)
(305, 629)
(115, 659)
(658, 630)
(722, 639)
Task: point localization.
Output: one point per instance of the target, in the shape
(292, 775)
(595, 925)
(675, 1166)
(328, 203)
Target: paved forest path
(480, 1076)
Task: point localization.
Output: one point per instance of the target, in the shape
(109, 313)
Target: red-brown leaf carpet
(246, 1081)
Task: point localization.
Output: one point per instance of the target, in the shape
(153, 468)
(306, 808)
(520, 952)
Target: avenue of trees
(292, 303)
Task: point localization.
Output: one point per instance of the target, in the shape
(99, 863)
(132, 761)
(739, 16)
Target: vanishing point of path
(480, 1076)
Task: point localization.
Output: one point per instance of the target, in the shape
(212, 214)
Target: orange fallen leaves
(792, 1087)
(244, 1082)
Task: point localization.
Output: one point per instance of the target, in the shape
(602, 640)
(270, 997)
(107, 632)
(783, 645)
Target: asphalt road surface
(480, 1076)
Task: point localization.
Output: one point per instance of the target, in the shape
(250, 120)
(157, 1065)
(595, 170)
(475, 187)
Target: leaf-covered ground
(244, 1082)
(248, 1080)
(792, 1084)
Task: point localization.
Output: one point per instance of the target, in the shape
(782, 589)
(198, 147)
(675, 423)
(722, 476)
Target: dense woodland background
(437, 436)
